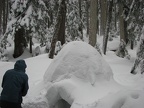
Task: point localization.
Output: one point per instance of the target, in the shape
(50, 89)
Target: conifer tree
(29, 15)
(122, 51)
(59, 27)
(139, 62)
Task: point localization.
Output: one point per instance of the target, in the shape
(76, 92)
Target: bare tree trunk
(7, 13)
(115, 19)
(132, 45)
(61, 31)
(4, 16)
(87, 15)
(80, 14)
(122, 23)
(103, 5)
(93, 22)
(109, 17)
(1, 8)
(30, 42)
(60, 23)
(20, 42)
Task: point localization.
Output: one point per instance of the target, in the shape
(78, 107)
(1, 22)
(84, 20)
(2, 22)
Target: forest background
(54, 23)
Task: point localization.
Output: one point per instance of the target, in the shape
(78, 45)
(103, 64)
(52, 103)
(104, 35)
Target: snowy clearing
(49, 86)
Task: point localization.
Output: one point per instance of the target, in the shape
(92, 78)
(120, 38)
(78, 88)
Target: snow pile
(123, 99)
(81, 60)
(82, 79)
(78, 93)
(78, 70)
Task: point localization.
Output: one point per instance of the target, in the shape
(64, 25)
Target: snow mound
(81, 60)
(123, 99)
(75, 93)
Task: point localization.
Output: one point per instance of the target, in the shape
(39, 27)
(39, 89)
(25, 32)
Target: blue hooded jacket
(15, 83)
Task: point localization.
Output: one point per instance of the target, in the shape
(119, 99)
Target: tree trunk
(20, 43)
(4, 16)
(30, 42)
(80, 14)
(60, 25)
(7, 14)
(123, 24)
(1, 8)
(93, 22)
(103, 4)
(87, 15)
(132, 45)
(61, 31)
(115, 19)
(109, 17)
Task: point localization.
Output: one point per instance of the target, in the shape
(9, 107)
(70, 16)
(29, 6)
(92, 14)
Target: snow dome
(74, 72)
(81, 60)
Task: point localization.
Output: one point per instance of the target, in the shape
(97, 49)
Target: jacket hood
(20, 65)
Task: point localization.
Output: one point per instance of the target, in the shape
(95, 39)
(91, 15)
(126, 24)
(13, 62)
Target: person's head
(20, 65)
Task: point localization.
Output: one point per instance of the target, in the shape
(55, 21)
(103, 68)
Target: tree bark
(132, 44)
(20, 42)
(1, 8)
(80, 14)
(103, 5)
(123, 24)
(115, 19)
(109, 17)
(5, 15)
(60, 25)
(87, 15)
(61, 31)
(30, 42)
(93, 22)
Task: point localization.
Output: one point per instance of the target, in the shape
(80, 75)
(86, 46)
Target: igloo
(78, 63)
(81, 60)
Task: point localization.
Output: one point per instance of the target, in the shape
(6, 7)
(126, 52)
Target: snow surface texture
(124, 91)
(81, 60)
(75, 72)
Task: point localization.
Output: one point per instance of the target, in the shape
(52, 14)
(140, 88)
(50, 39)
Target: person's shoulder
(9, 71)
(25, 75)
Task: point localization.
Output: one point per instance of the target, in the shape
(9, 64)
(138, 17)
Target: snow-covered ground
(78, 77)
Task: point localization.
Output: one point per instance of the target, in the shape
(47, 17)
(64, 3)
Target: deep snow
(122, 90)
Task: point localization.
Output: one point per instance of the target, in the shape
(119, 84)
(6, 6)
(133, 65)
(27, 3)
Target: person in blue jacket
(15, 86)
